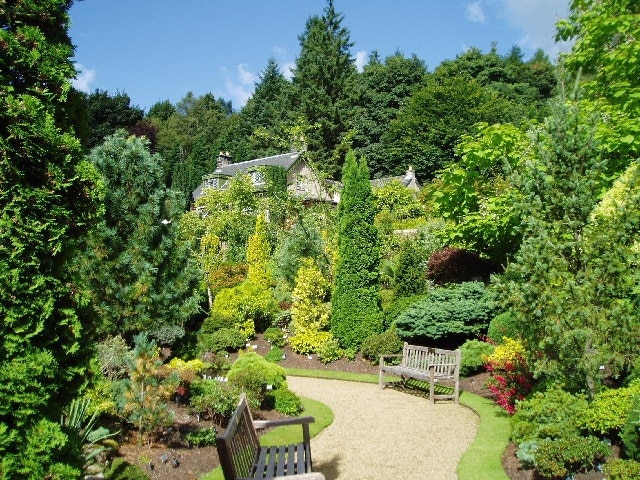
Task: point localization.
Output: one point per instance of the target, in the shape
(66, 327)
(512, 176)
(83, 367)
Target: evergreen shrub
(274, 355)
(252, 374)
(561, 457)
(284, 401)
(454, 312)
(274, 336)
(607, 413)
(120, 469)
(397, 306)
(386, 343)
(554, 413)
(630, 434)
(202, 437)
(222, 340)
(330, 351)
(473, 356)
(213, 399)
(620, 469)
(309, 341)
(504, 324)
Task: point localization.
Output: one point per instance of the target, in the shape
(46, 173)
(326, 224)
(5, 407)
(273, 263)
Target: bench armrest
(284, 421)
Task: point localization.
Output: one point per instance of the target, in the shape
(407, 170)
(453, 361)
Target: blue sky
(158, 50)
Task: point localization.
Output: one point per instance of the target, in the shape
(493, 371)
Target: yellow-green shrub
(608, 411)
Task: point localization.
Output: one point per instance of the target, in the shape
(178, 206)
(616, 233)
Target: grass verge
(290, 433)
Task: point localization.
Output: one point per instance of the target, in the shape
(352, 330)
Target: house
(301, 180)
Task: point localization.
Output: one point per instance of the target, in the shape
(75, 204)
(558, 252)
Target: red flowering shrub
(511, 377)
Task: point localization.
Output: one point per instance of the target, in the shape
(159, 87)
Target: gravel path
(386, 434)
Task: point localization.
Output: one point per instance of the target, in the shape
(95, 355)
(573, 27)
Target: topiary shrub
(274, 336)
(619, 469)
(284, 401)
(223, 340)
(607, 413)
(330, 351)
(448, 314)
(561, 457)
(387, 343)
(550, 414)
(630, 434)
(252, 374)
(504, 324)
(455, 265)
(473, 354)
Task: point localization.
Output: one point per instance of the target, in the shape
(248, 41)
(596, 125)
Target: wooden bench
(242, 456)
(433, 365)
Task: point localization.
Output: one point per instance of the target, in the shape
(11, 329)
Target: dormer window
(211, 182)
(257, 177)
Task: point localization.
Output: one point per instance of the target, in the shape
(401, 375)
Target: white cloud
(475, 12)
(536, 19)
(241, 86)
(84, 78)
(361, 59)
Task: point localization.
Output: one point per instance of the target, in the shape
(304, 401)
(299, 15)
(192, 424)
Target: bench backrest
(238, 446)
(444, 362)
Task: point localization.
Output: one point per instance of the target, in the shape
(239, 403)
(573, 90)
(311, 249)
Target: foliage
(252, 374)
(139, 272)
(608, 411)
(410, 270)
(386, 343)
(561, 457)
(526, 453)
(223, 339)
(630, 434)
(456, 265)
(112, 354)
(258, 250)
(49, 199)
(474, 193)
(274, 355)
(511, 377)
(553, 413)
(213, 399)
(310, 309)
(398, 306)
(120, 469)
(356, 310)
(330, 351)
(274, 336)
(323, 86)
(457, 311)
(284, 401)
(144, 394)
(108, 113)
(570, 324)
(473, 356)
(186, 370)
(504, 324)
(202, 437)
(621, 469)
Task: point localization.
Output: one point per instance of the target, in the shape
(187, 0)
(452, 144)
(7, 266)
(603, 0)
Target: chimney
(224, 159)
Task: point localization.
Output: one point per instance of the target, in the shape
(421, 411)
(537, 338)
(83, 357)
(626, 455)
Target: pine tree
(356, 312)
(323, 84)
(47, 201)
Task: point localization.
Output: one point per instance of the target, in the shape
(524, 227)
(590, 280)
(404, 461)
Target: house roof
(408, 179)
(285, 160)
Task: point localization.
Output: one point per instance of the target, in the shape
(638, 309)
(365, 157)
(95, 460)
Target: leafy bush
(252, 374)
(630, 435)
(223, 340)
(213, 399)
(187, 371)
(309, 341)
(619, 469)
(274, 336)
(387, 343)
(607, 413)
(120, 469)
(449, 312)
(284, 401)
(511, 376)
(561, 457)
(474, 353)
(330, 351)
(202, 437)
(550, 414)
(504, 324)
(455, 265)
(397, 307)
(410, 271)
(274, 355)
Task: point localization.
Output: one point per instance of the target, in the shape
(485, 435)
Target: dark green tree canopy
(107, 113)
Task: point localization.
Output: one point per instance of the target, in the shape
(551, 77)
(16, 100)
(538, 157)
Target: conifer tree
(47, 201)
(356, 312)
(323, 86)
